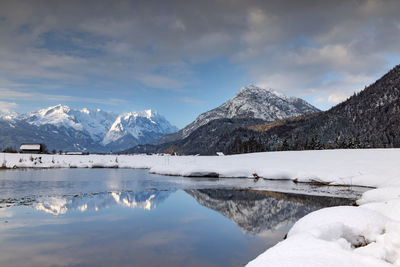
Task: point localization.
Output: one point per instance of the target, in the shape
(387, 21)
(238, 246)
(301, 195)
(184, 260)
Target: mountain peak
(253, 89)
(60, 107)
(136, 124)
(148, 113)
(251, 102)
(57, 108)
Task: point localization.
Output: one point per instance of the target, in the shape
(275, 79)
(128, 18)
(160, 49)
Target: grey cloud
(10, 94)
(7, 106)
(293, 46)
(191, 100)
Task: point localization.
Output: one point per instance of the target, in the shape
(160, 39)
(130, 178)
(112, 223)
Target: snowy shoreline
(367, 235)
(361, 167)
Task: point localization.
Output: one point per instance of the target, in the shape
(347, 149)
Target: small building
(31, 148)
(74, 153)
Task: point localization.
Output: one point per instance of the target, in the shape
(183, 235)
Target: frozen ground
(368, 235)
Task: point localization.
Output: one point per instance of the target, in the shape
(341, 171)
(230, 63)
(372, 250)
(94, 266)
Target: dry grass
(269, 125)
(319, 183)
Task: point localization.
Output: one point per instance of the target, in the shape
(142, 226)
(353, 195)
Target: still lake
(123, 217)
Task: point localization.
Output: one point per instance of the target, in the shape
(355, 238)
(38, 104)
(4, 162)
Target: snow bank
(368, 235)
(372, 167)
(9, 160)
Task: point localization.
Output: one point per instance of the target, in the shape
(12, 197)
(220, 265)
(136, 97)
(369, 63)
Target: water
(121, 217)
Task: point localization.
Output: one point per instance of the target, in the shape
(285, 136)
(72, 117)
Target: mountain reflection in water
(253, 211)
(146, 200)
(259, 211)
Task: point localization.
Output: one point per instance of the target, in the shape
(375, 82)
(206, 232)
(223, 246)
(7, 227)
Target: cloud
(11, 94)
(17, 95)
(161, 82)
(7, 106)
(320, 49)
(337, 98)
(191, 100)
(178, 25)
(293, 46)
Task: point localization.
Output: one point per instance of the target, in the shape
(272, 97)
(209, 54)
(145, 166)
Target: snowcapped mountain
(94, 122)
(8, 116)
(137, 124)
(250, 102)
(260, 103)
(61, 127)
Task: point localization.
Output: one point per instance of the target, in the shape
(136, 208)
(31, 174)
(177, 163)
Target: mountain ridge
(85, 129)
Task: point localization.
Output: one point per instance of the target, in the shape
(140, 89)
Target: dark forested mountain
(370, 118)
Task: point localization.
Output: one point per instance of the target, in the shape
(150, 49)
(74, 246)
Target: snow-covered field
(368, 235)
(369, 167)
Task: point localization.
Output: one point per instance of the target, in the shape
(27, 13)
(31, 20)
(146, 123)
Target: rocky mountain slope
(251, 102)
(62, 128)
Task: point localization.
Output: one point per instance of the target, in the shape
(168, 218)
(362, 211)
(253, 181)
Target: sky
(183, 58)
